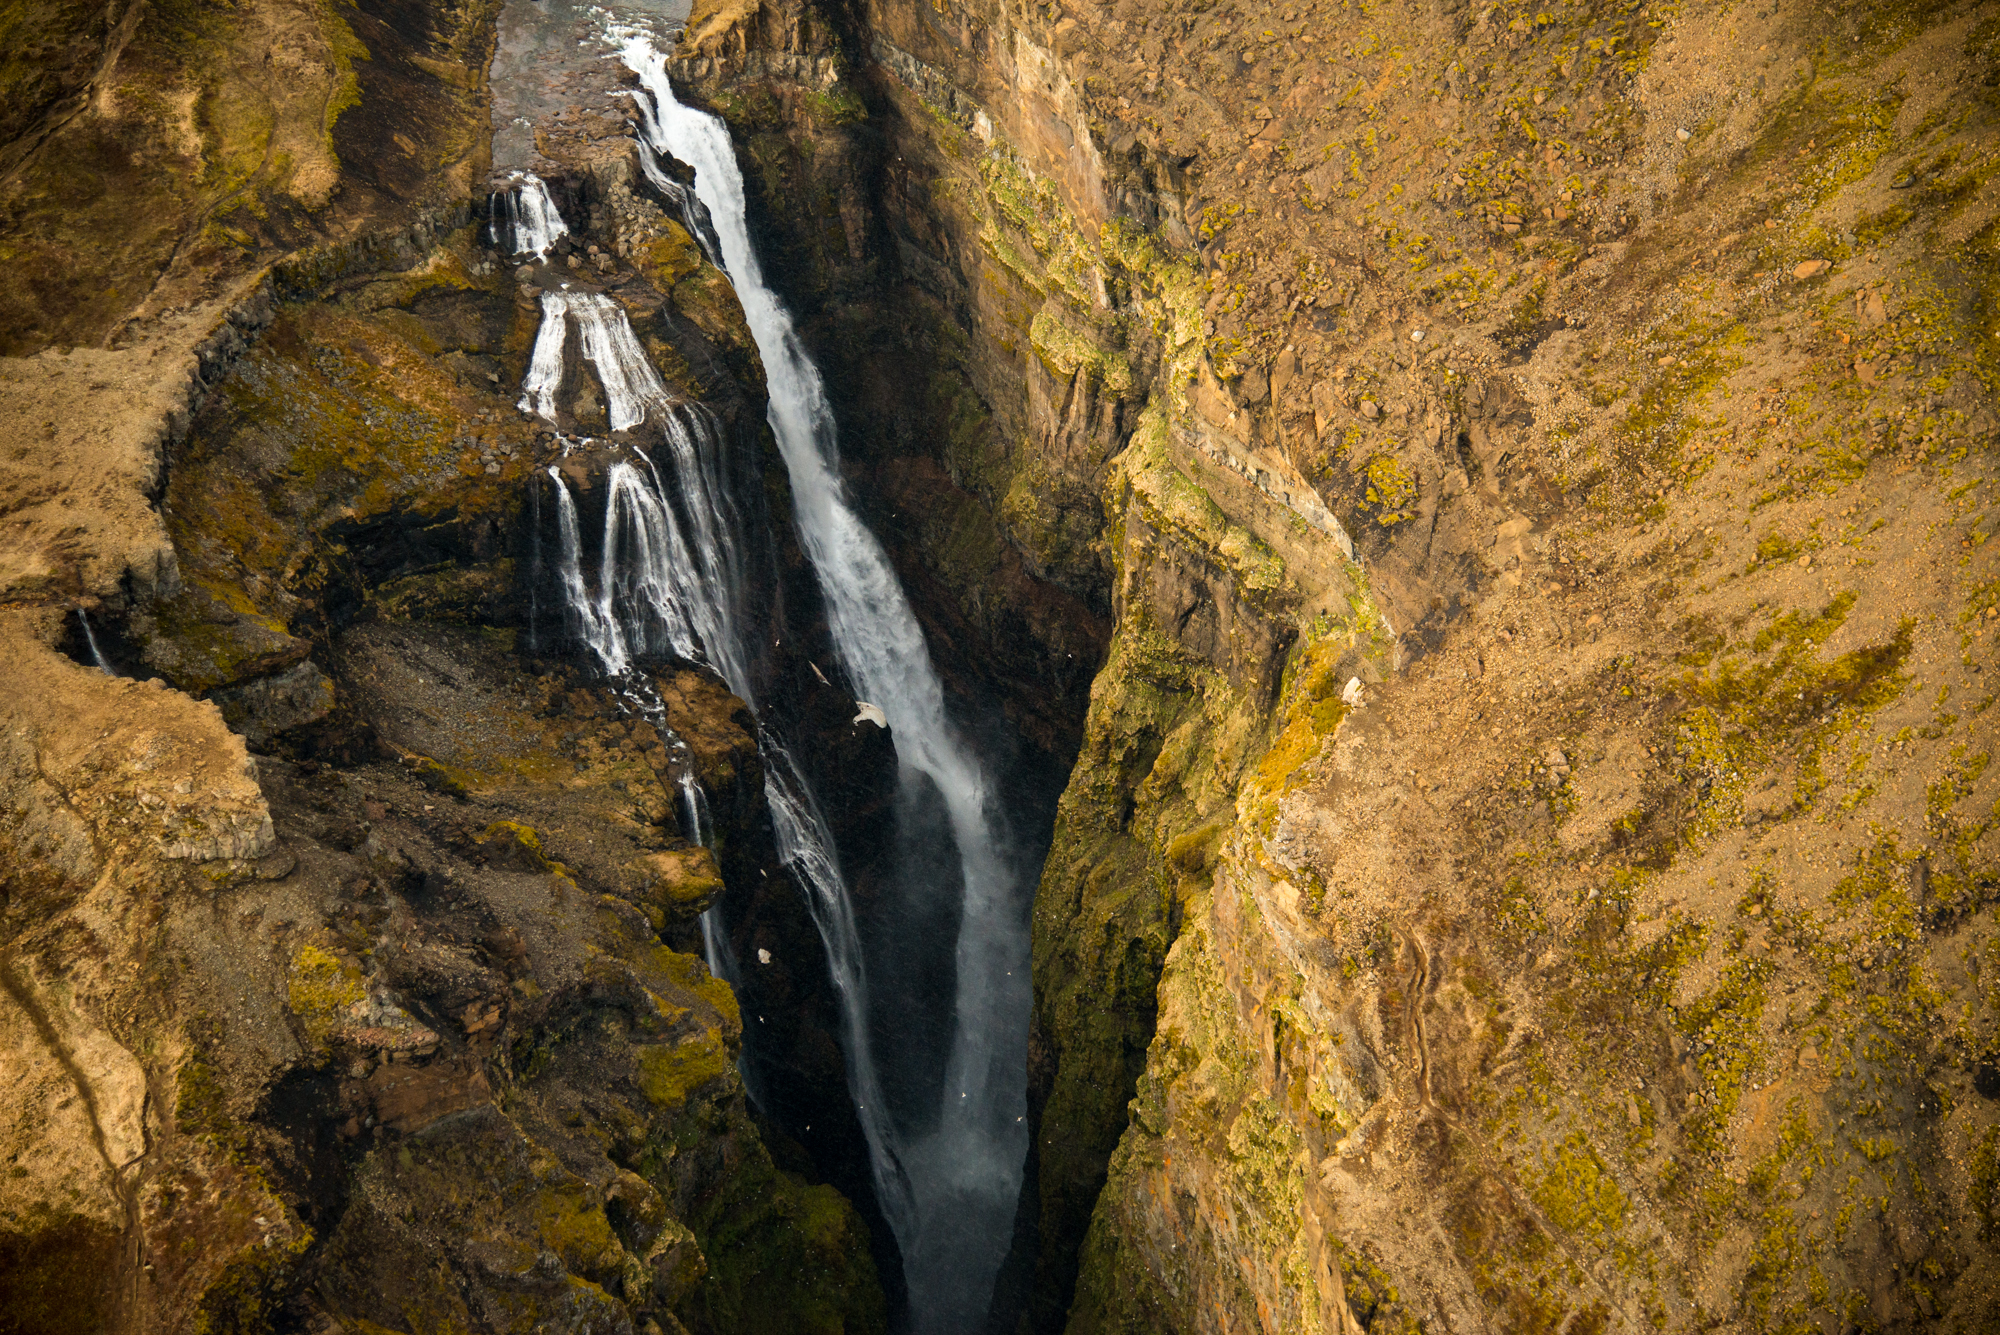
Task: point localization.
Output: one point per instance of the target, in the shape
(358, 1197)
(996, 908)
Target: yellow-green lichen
(1390, 490)
(1575, 1192)
(320, 989)
(669, 1072)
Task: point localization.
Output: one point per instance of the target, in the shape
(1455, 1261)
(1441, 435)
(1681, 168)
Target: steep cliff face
(1488, 507)
(1605, 394)
(349, 975)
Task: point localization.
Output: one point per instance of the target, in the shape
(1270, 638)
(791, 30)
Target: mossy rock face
(682, 883)
(594, 1188)
(530, 1236)
(591, 788)
(510, 844)
(706, 298)
(1138, 833)
(457, 595)
(339, 461)
(321, 989)
(671, 256)
(201, 641)
(1056, 524)
(668, 1074)
(187, 169)
(766, 1218)
(719, 730)
(677, 1264)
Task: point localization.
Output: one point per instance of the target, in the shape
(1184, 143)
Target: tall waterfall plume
(964, 1159)
(671, 583)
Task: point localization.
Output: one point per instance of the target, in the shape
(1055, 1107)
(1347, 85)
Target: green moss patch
(668, 1073)
(320, 989)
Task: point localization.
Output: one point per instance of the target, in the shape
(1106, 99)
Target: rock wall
(348, 962)
(1528, 863)
(1486, 506)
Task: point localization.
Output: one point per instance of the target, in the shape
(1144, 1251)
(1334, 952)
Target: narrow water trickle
(961, 1161)
(96, 654)
(699, 826)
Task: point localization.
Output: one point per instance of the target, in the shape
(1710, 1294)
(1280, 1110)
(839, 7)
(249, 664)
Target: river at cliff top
(552, 68)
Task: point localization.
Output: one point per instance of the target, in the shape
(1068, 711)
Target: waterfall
(631, 386)
(694, 215)
(671, 581)
(587, 621)
(96, 654)
(964, 1170)
(660, 593)
(699, 826)
(524, 221)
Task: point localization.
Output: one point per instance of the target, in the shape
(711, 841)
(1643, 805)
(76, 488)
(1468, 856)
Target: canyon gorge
(957, 666)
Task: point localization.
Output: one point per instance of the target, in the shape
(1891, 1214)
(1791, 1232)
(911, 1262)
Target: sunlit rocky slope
(1619, 957)
(1486, 508)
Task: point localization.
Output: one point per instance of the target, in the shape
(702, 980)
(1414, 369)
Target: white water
(965, 1171)
(96, 654)
(631, 385)
(693, 215)
(532, 219)
(656, 595)
(588, 624)
(699, 827)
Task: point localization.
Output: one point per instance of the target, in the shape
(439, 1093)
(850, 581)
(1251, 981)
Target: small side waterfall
(587, 622)
(631, 386)
(523, 220)
(699, 826)
(964, 1159)
(671, 583)
(96, 653)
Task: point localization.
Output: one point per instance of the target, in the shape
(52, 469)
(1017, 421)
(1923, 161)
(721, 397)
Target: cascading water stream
(96, 654)
(595, 622)
(631, 385)
(965, 1169)
(699, 826)
(524, 221)
(605, 639)
(694, 215)
(657, 595)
